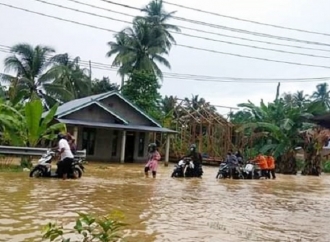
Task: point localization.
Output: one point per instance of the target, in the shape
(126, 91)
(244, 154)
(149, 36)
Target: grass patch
(14, 164)
(10, 168)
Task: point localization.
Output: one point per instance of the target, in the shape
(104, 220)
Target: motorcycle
(179, 169)
(186, 168)
(43, 168)
(224, 172)
(252, 171)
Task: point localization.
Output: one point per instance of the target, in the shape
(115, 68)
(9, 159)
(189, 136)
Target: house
(110, 127)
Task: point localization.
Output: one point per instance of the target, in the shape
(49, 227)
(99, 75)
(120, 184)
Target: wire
(203, 31)
(184, 46)
(189, 35)
(189, 77)
(246, 20)
(102, 66)
(58, 18)
(227, 28)
(252, 57)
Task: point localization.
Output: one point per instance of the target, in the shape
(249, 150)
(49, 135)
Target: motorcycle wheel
(76, 172)
(37, 172)
(220, 176)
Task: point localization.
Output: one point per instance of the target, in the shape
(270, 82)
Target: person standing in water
(271, 166)
(64, 166)
(153, 159)
(72, 143)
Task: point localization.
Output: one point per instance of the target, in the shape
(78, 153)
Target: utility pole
(122, 83)
(90, 71)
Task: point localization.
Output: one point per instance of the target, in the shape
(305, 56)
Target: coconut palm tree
(158, 18)
(299, 98)
(137, 49)
(322, 94)
(30, 65)
(67, 72)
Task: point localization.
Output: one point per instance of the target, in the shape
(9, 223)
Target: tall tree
(67, 73)
(158, 18)
(30, 64)
(137, 48)
(103, 85)
(322, 94)
(300, 98)
(142, 89)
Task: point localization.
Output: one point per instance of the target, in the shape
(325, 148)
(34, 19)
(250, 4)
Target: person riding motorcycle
(197, 160)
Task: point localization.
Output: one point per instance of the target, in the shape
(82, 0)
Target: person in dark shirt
(197, 160)
(232, 163)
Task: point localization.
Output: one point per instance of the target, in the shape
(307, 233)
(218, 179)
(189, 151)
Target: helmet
(60, 136)
(193, 147)
(152, 147)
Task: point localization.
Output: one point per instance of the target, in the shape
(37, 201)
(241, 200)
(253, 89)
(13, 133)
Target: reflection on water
(291, 208)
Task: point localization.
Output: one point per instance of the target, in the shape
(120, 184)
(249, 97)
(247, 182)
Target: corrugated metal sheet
(80, 103)
(116, 126)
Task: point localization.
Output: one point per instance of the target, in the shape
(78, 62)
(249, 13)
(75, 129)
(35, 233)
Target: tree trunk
(287, 164)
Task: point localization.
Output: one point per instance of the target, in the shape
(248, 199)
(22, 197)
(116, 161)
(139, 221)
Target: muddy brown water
(291, 208)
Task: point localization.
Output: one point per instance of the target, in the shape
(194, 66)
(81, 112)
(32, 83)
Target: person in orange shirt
(271, 166)
(262, 162)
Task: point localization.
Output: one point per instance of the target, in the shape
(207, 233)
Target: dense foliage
(36, 75)
(280, 127)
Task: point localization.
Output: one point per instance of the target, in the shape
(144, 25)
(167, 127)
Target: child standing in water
(153, 159)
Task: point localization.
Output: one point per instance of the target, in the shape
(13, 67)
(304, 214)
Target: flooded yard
(291, 208)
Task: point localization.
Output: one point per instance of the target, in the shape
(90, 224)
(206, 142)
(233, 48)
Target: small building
(110, 128)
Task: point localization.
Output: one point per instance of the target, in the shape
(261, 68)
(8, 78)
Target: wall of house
(102, 149)
(92, 113)
(125, 111)
(103, 146)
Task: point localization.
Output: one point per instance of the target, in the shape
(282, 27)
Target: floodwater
(291, 208)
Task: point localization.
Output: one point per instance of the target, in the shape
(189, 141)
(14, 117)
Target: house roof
(116, 126)
(77, 104)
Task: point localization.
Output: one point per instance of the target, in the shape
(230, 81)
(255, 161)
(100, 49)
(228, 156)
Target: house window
(114, 143)
(141, 144)
(88, 141)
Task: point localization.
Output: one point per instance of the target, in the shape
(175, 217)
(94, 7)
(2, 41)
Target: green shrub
(326, 166)
(89, 228)
(26, 163)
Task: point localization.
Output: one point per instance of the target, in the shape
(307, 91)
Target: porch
(115, 142)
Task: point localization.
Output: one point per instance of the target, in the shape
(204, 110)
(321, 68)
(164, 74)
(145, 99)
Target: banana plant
(278, 126)
(31, 127)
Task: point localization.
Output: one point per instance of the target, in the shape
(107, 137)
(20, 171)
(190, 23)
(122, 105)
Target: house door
(130, 145)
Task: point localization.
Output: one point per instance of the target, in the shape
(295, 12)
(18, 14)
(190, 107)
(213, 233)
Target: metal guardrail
(29, 151)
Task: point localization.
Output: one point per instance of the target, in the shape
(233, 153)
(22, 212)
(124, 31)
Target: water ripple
(291, 208)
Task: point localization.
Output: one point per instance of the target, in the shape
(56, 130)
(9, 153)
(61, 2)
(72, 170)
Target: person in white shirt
(64, 166)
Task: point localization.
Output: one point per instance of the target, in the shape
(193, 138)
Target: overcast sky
(90, 44)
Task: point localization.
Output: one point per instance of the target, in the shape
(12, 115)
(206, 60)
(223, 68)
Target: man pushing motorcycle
(67, 158)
